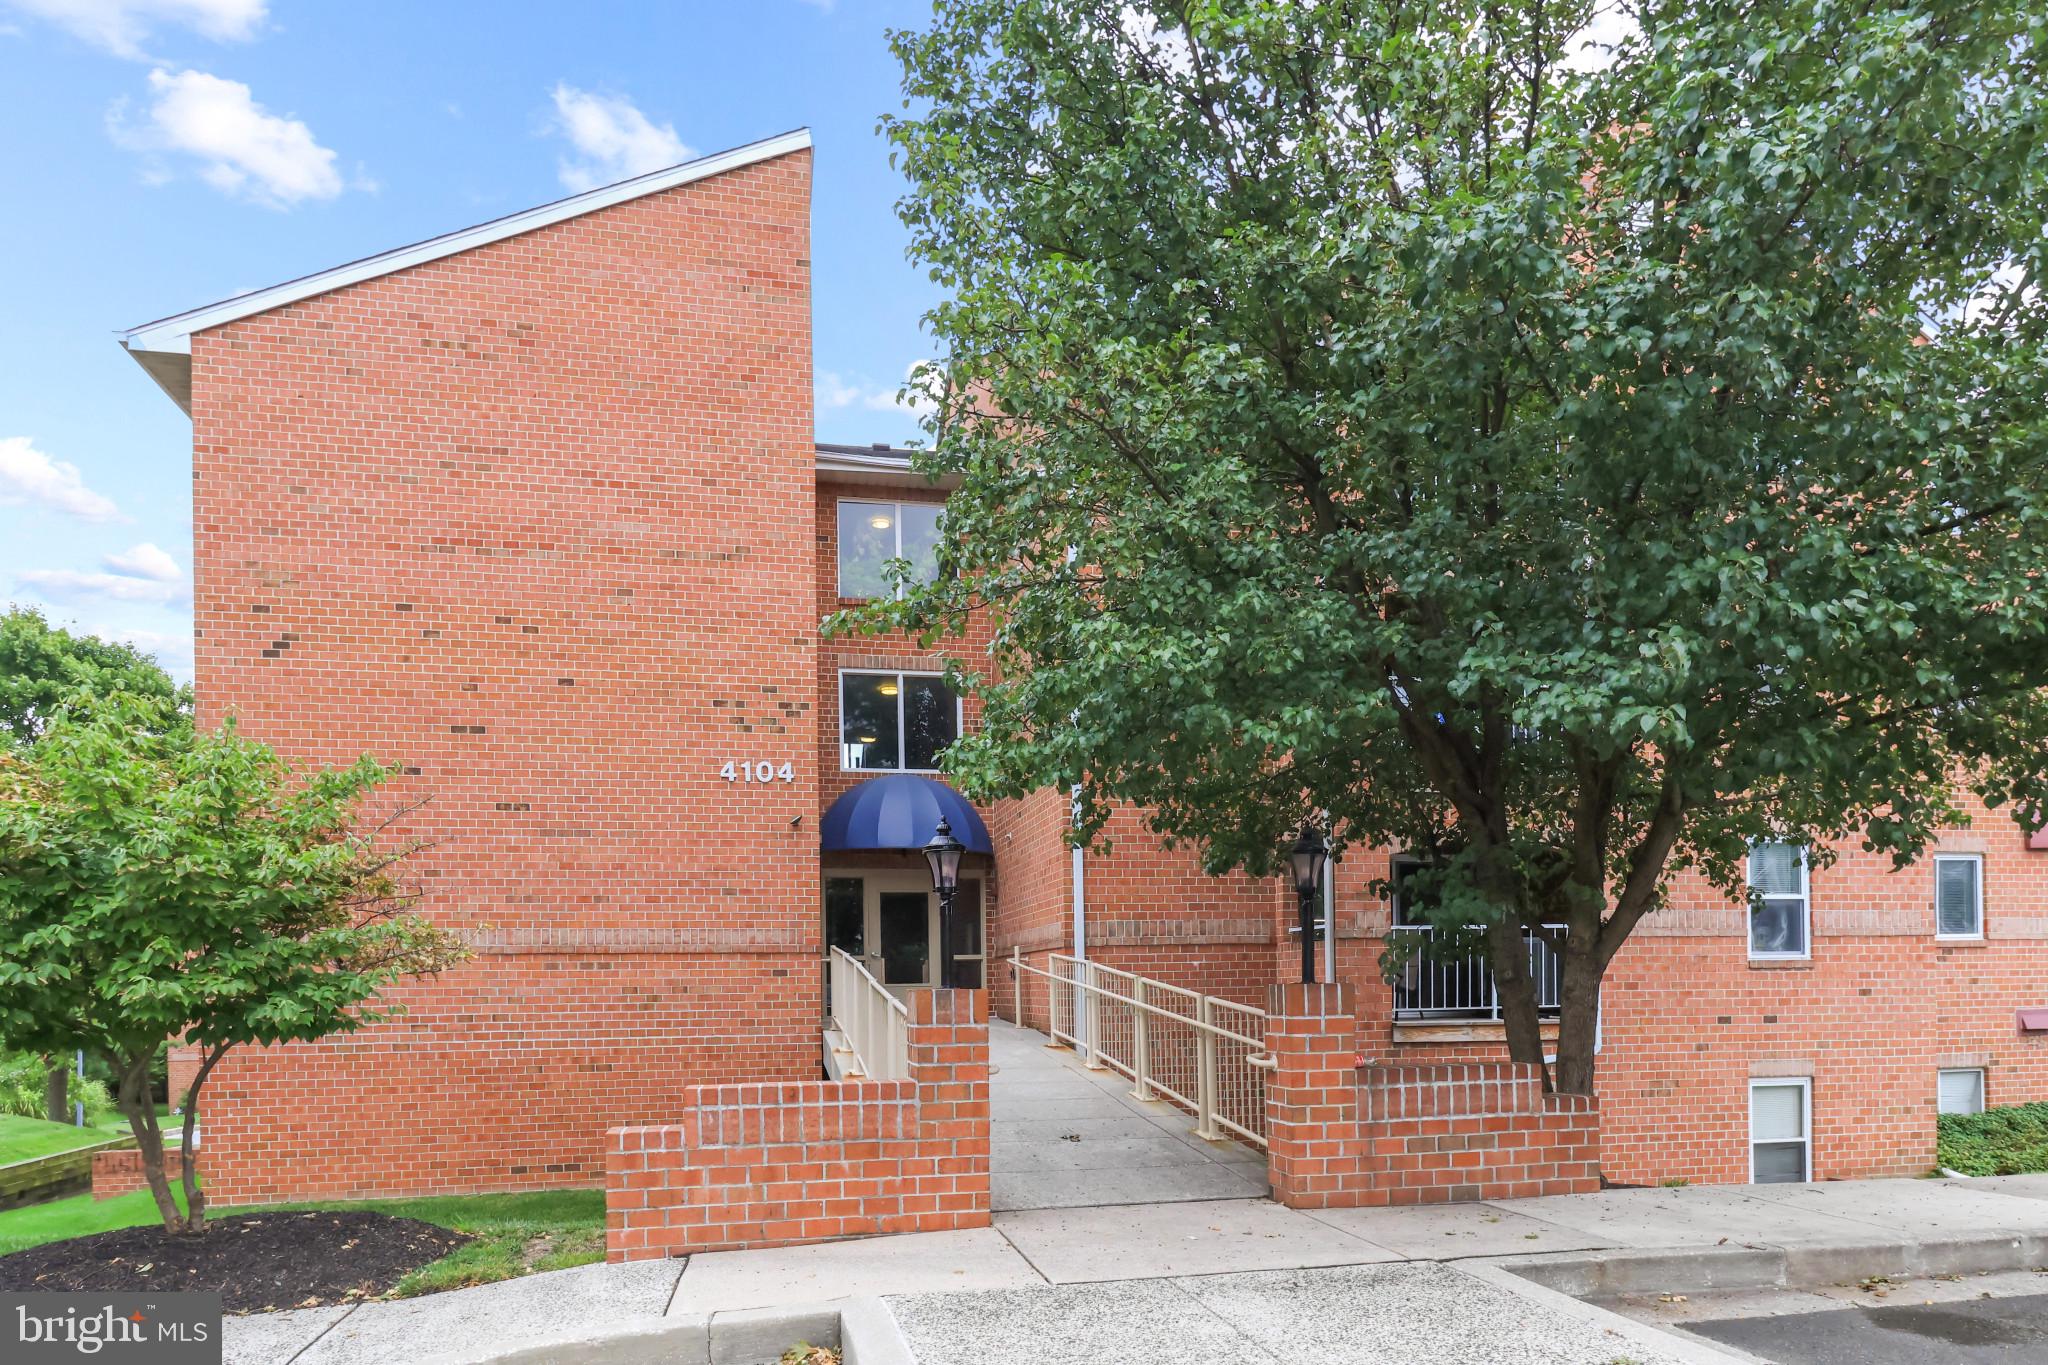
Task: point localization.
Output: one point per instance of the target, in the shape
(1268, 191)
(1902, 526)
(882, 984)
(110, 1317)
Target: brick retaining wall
(1342, 1136)
(776, 1164)
(119, 1172)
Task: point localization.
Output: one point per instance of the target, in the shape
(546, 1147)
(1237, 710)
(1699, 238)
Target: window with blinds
(1780, 1147)
(1958, 895)
(1960, 1091)
(1779, 917)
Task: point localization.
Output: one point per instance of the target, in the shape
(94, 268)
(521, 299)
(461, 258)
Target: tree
(159, 881)
(1574, 465)
(41, 665)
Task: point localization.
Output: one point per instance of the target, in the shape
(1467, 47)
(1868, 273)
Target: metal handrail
(1464, 988)
(875, 1023)
(1168, 1039)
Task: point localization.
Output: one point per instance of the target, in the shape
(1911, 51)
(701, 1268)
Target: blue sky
(162, 154)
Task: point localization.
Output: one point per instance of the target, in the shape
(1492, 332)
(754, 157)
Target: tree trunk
(57, 1093)
(188, 1152)
(1514, 987)
(1578, 1018)
(136, 1103)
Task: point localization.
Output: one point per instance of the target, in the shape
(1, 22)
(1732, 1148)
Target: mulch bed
(255, 1261)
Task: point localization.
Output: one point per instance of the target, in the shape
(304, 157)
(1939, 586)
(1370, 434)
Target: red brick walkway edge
(780, 1163)
(1344, 1136)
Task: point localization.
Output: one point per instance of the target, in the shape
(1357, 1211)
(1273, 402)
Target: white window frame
(1983, 1087)
(902, 728)
(1978, 859)
(1805, 1119)
(1805, 909)
(839, 551)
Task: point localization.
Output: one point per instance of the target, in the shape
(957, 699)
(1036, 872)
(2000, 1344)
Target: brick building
(535, 511)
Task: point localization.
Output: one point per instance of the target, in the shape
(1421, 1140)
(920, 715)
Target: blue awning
(900, 811)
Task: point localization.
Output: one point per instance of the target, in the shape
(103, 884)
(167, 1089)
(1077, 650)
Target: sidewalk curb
(864, 1329)
(1694, 1270)
(1687, 1350)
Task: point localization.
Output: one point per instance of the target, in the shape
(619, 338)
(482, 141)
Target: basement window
(1959, 1091)
(1780, 1127)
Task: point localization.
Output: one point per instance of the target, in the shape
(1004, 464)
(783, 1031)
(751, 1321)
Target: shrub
(2011, 1140)
(22, 1094)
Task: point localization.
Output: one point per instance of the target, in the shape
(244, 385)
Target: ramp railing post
(1141, 1042)
(1205, 1073)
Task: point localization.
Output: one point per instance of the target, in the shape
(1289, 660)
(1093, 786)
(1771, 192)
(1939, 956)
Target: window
(1410, 899)
(1780, 1150)
(1960, 1091)
(1958, 895)
(1778, 910)
(873, 533)
(895, 722)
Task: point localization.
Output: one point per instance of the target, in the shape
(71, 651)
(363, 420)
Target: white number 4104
(760, 771)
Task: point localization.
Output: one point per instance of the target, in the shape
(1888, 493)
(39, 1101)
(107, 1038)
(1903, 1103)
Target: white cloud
(613, 139)
(835, 391)
(824, 5)
(30, 477)
(68, 585)
(1167, 47)
(146, 561)
(244, 150)
(1611, 22)
(121, 26)
(141, 574)
(174, 652)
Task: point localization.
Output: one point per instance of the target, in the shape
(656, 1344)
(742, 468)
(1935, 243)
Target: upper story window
(895, 722)
(1780, 918)
(1958, 895)
(873, 533)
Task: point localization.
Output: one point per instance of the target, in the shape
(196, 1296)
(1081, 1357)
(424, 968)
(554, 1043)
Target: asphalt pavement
(1983, 1332)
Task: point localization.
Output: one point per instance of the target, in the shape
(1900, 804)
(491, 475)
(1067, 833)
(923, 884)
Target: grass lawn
(22, 1139)
(516, 1234)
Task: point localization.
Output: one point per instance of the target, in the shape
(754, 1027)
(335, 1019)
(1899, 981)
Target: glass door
(890, 920)
(903, 929)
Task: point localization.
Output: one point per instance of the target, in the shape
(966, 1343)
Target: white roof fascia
(892, 470)
(174, 334)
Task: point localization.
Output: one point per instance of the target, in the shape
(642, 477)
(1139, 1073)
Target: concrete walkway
(1062, 1136)
(1239, 1280)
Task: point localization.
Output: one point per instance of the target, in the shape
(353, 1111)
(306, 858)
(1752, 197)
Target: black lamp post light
(1310, 852)
(943, 852)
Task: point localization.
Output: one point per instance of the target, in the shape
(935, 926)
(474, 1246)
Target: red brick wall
(534, 522)
(1342, 1136)
(181, 1065)
(1688, 1020)
(119, 1172)
(774, 1165)
(1035, 909)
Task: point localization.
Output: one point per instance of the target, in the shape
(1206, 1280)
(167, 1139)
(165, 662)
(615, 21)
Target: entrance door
(905, 931)
(890, 920)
